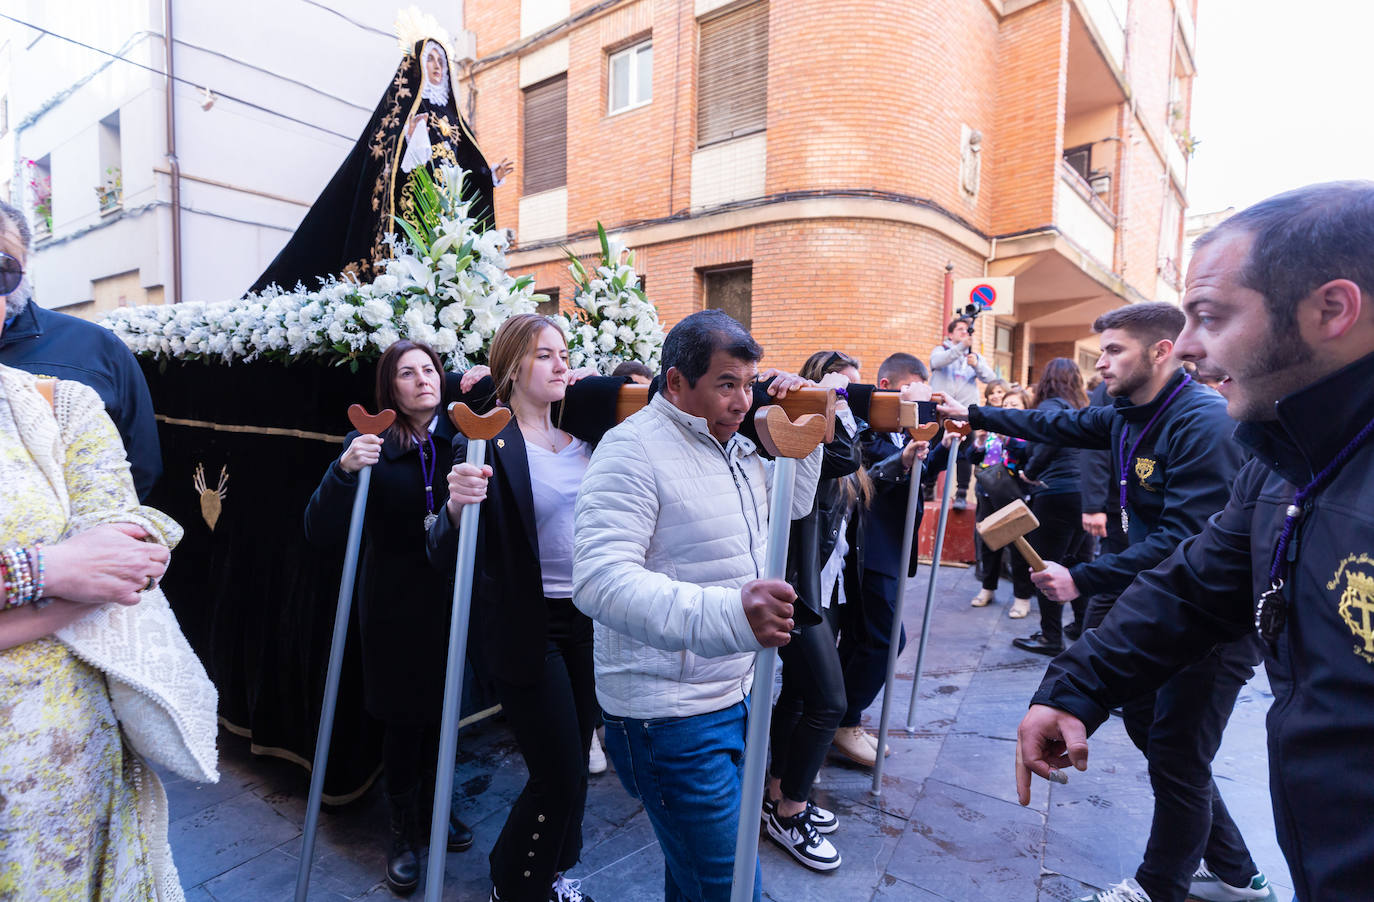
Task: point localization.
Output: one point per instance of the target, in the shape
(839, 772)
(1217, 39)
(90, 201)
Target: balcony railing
(1083, 218)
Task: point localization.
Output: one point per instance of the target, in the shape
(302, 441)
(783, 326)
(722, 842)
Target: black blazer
(509, 615)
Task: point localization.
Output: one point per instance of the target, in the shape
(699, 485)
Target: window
(4, 115)
(549, 307)
(732, 76)
(730, 290)
(630, 76)
(109, 188)
(1080, 160)
(546, 135)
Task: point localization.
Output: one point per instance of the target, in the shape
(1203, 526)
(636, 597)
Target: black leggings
(552, 719)
(809, 708)
(1058, 538)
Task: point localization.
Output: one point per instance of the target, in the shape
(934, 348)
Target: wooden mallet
(366, 424)
(1009, 526)
(478, 430)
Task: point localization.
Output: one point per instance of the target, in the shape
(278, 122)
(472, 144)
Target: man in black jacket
(1172, 460)
(48, 343)
(1280, 306)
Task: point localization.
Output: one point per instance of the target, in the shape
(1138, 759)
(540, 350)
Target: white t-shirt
(555, 479)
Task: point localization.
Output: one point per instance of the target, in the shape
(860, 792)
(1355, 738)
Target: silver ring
(152, 584)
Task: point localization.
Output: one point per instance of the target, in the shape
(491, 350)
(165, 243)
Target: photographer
(955, 369)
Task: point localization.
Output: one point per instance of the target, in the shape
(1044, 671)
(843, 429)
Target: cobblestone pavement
(947, 825)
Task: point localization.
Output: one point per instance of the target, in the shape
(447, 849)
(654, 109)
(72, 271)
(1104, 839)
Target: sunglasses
(11, 273)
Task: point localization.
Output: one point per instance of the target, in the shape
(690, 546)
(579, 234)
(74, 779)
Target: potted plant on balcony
(111, 191)
(40, 183)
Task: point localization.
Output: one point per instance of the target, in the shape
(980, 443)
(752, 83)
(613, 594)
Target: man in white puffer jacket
(671, 535)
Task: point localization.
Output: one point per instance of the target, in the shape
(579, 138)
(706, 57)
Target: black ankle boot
(402, 865)
(459, 834)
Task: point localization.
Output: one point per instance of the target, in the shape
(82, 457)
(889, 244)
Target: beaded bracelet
(23, 574)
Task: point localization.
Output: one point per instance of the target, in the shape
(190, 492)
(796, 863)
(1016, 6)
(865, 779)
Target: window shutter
(732, 84)
(546, 135)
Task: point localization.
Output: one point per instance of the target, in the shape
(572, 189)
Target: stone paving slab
(947, 825)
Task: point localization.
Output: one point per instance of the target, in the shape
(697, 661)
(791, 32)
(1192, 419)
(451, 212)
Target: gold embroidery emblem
(500, 443)
(1356, 606)
(211, 500)
(1144, 469)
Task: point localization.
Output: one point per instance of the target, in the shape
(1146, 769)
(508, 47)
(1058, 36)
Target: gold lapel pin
(500, 443)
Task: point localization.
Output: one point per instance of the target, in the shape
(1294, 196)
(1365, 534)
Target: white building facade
(269, 97)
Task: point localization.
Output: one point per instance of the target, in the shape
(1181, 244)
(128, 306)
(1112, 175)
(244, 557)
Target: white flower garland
(451, 293)
(612, 319)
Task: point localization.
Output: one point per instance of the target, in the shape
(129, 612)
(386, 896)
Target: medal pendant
(429, 520)
(1271, 613)
(1125, 522)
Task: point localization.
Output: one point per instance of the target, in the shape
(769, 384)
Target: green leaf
(605, 242)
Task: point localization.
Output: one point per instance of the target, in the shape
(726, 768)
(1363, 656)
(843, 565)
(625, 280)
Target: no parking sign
(989, 294)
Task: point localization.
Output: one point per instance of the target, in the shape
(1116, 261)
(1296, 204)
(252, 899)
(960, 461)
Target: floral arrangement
(612, 321)
(446, 286)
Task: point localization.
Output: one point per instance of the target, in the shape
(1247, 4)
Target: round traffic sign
(983, 295)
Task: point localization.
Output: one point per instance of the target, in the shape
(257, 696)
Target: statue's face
(434, 68)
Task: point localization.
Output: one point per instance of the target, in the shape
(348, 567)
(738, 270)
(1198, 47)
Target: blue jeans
(687, 771)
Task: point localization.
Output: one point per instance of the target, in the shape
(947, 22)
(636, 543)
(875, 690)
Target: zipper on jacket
(729, 465)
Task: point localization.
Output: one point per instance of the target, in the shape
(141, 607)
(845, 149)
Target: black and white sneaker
(799, 836)
(824, 821)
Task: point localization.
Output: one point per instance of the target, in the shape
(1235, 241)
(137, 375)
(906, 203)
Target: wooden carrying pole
(478, 430)
(919, 432)
(787, 442)
(366, 424)
(960, 431)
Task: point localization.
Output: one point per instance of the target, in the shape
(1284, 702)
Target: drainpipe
(173, 165)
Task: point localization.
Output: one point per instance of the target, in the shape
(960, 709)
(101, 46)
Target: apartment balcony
(1106, 21)
(1082, 216)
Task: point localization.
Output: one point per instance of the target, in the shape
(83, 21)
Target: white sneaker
(1125, 891)
(799, 836)
(1208, 887)
(596, 757)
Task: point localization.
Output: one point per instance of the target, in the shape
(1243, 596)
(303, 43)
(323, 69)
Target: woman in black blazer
(539, 645)
(403, 603)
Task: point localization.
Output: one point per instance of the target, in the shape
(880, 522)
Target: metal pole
(761, 696)
(913, 496)
(945, 496)
(453, 683)
(331, 683)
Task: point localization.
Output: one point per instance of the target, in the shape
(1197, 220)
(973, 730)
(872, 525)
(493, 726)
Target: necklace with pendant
(427, 472)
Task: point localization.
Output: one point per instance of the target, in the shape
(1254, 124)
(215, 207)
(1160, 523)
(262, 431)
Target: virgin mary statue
(417, 124)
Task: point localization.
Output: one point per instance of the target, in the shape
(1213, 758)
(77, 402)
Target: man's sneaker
(854, 743)
(1208, 887)
(799, 836)
(1125, 891)
(565, 890)
(596, 757)
(824, 821)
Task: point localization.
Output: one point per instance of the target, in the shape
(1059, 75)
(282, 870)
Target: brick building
(820, 169)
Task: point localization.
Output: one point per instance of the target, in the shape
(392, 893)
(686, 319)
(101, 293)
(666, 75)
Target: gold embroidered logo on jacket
(1356, 605)
(1144, 469)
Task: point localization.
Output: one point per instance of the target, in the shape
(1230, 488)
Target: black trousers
(808, 710)
(1058, 538)
(865, 622)
(409, 753)
(552, 720)
(1179, 729)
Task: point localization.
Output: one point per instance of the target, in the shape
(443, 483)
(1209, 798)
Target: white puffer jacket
(669, 526)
